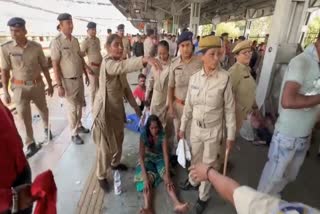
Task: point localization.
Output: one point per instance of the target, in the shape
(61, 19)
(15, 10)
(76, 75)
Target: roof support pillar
(195, 17)
(286, 30)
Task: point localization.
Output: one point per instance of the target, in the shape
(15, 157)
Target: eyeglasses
(246, 52)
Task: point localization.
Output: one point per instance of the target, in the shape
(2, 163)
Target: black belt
(73, 78)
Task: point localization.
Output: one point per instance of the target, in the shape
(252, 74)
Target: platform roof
(226, 10)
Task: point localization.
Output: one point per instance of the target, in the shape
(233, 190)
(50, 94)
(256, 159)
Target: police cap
(16, 22)
(64, 16)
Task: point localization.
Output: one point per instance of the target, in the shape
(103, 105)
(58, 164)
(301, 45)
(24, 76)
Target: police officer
(208, 101)
(181, 69)
(243, 84)
(108, 109)
(125, 42)
(91, 47)
(69, 66)
(26, 60)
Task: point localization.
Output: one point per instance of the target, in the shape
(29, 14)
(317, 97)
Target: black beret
(16, 22)
(120, 27)
(64, 16)
(185, 36)
(91, 25)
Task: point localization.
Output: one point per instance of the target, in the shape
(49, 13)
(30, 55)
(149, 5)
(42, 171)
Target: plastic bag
(246, 131)
(183, 152)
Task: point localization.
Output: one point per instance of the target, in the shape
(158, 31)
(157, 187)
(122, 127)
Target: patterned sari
(153, 162)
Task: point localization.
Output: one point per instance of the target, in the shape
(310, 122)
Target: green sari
(153, 162)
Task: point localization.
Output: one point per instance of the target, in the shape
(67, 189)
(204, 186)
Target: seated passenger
(154, 165)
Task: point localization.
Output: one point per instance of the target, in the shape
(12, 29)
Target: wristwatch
(15, 201)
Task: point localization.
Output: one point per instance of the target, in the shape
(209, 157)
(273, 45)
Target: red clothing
(12, 158)
(45, 191)
(139, 92)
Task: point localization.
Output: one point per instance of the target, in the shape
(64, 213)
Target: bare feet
(181, 208)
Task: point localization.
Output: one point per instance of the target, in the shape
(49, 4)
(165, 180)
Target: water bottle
(117, 182)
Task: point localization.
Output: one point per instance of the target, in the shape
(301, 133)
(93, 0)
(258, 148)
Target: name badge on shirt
(66, 48)
(16, 54)
(246, 77)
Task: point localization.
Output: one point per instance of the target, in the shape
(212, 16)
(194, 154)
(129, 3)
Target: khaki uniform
(158, 81)
(179, 76)
(26, 64)
(209, 99)
(126, 47)
(248, 200)
(91, 47)
(244, 89)
(71, 64)
(108, 111)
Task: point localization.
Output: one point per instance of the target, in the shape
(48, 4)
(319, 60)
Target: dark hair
(153, 118)
(109, 31)
(165, 44)
(111, 38)
(150, 32)
(142, 76)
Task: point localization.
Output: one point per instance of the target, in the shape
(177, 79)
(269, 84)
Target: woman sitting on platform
(154, 165)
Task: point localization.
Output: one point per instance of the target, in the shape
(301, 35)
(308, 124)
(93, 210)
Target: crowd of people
(200, 89)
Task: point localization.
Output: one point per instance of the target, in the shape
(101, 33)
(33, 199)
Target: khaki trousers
(94, 82)
(205, 148)
(74, 90)
(119, 135)
(22, 95)
(178, 108)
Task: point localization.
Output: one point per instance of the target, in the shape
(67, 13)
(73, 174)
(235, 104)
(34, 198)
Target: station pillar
(195, 17)
(286, 30)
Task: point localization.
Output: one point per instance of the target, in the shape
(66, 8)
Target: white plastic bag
(183, 152)
(246, 131)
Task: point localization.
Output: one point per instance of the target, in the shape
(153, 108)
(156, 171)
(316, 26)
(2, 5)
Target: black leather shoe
(199, 207)
(120, 167)
(77, 140)
(81, 129)
(186, 186)
(46, 134)
(104, 185)
(32, 149)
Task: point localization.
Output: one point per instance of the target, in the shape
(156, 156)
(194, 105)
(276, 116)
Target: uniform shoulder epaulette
(6, 43)
(57, 36)
(35, 43)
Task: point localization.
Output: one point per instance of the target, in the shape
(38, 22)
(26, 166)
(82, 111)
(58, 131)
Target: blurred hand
(61, 91)
(7, 98)
(25, 198)
(230, 144)
(87, 80)
(181, 135)
(198, 172)
(50, 91)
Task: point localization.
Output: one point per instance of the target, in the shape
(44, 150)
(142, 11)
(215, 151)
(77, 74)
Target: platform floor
(78, 192)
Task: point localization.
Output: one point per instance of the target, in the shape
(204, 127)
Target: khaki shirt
(244, 87)
(126, 47)
(180, 74)
(249, 201)
(26, 62)
(210, 98)
(68, 54)
(147, 46)
(158, 80)
(91, 47)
